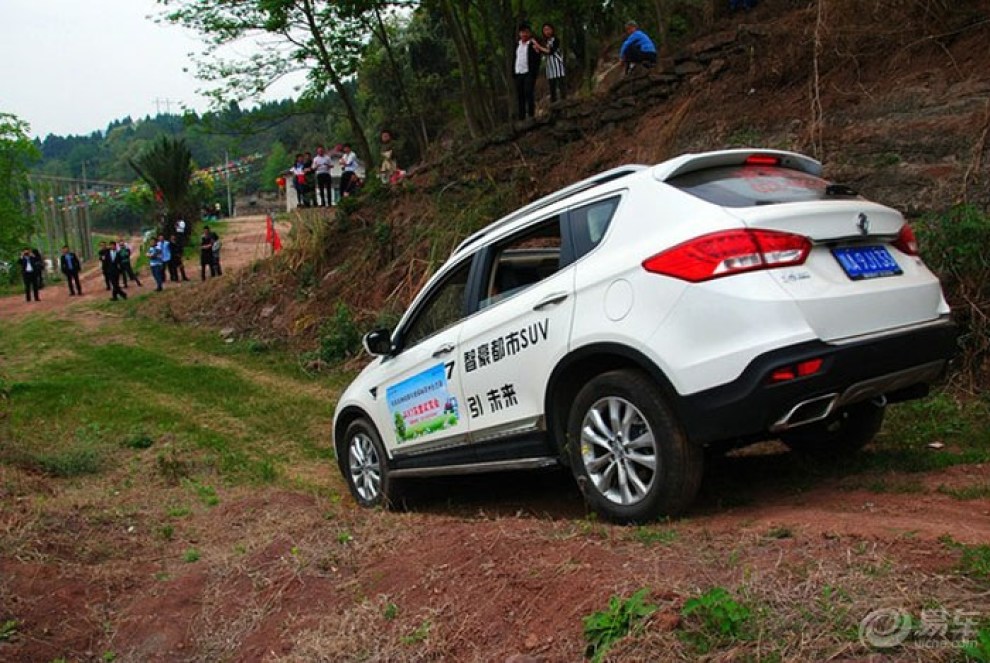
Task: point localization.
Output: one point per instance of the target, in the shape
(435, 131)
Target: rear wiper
(840, 190)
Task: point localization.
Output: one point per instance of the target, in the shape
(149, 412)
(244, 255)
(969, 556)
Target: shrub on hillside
(339, 336)
(956, 245)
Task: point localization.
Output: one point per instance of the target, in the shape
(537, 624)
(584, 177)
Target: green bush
(722, 619)
(339, 336)
(956, 245)
(603, 628)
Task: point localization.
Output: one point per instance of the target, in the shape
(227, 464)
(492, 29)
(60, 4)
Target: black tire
(643, 430)
(362, 460)
(840, 435)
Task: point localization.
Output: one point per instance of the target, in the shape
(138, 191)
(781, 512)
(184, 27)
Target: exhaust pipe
(806, 412)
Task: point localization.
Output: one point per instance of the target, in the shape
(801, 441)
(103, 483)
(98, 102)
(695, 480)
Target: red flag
(269, 229)
(271, 235)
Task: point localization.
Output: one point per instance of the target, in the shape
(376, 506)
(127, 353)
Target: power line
(55, 178)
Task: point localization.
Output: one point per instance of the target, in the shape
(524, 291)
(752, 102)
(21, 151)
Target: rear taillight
(794, 371)
(906, 241)
(730, 252)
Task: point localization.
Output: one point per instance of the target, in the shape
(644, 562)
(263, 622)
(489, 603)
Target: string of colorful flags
(89, 198)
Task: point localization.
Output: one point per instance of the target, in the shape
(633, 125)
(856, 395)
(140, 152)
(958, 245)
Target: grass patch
(974, 492)
(715, 619)
(603, 628)
(419, 635)
(190, 556)
(8, 629)
(653, 536)
(137, 384)
(974, 560)
(71, 462)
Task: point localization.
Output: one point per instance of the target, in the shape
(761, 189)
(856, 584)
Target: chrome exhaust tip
(806, 412)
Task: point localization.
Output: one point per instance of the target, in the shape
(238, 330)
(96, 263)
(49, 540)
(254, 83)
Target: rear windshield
(746, 186)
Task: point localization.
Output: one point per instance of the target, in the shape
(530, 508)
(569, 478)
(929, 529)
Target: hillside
(893, 99)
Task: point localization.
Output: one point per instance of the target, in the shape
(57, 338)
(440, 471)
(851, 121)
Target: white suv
(625, 322)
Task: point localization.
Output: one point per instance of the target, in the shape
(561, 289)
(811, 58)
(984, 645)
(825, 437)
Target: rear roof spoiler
(689, 163)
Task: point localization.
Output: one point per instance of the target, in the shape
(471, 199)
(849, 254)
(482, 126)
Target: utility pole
(226, 171)
(168, 110)
(87, 245)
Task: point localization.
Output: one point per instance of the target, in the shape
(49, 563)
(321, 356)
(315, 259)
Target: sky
(71, 67)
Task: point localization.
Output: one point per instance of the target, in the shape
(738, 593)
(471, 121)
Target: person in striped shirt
(554, 61)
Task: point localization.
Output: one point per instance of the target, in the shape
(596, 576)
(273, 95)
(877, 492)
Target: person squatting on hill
(69, 265)
(31, 269)
(638, 48)
(388, 171)
(525, 70)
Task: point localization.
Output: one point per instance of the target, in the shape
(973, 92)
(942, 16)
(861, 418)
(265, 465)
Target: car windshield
(747, 186)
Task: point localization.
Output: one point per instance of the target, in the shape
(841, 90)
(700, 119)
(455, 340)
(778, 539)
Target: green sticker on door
(422, 405)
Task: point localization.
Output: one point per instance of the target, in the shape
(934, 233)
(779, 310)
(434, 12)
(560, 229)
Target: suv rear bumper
(896, 367)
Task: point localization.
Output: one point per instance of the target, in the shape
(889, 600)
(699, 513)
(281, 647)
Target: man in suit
(104, 256)
(206, 254)
(114, 266)
(69, 264)
(30, 270)
(126, 269)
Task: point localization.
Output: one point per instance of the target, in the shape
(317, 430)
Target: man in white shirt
(348, 164)
(527, 66)
(322, 164)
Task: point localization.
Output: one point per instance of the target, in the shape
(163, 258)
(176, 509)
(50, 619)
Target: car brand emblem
(863, 223)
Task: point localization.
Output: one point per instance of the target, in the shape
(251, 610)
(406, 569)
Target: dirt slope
(899, 109)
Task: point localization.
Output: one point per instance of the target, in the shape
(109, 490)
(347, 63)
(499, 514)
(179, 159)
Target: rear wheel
(363, 462)
(841, 434)
(628, 455)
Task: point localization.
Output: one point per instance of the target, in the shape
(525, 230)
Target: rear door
(519, 331)
(856, 279)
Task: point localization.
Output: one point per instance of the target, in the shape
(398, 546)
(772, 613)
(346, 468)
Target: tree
(166, 166)
(275, 166)
(325, 38)
(17, 153)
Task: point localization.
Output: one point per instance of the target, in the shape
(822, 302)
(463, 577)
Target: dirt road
(243, 241)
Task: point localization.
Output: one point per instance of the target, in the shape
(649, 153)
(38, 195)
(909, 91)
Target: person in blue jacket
(638, 48)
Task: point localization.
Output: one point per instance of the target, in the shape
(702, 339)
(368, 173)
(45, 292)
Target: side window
(443, 308)
(589, 223)
(522, 261)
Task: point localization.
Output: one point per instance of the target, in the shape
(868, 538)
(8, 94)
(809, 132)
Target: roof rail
(546, 201)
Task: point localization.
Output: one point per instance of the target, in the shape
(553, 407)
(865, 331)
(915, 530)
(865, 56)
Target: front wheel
(362, 460)
(629, 456)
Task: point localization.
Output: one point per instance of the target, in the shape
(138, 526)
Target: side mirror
(378, 342)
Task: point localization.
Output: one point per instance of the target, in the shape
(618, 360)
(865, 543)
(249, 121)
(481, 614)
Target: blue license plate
(866, 262)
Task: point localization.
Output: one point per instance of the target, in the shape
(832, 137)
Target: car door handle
(550, 300)
(444, 349)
